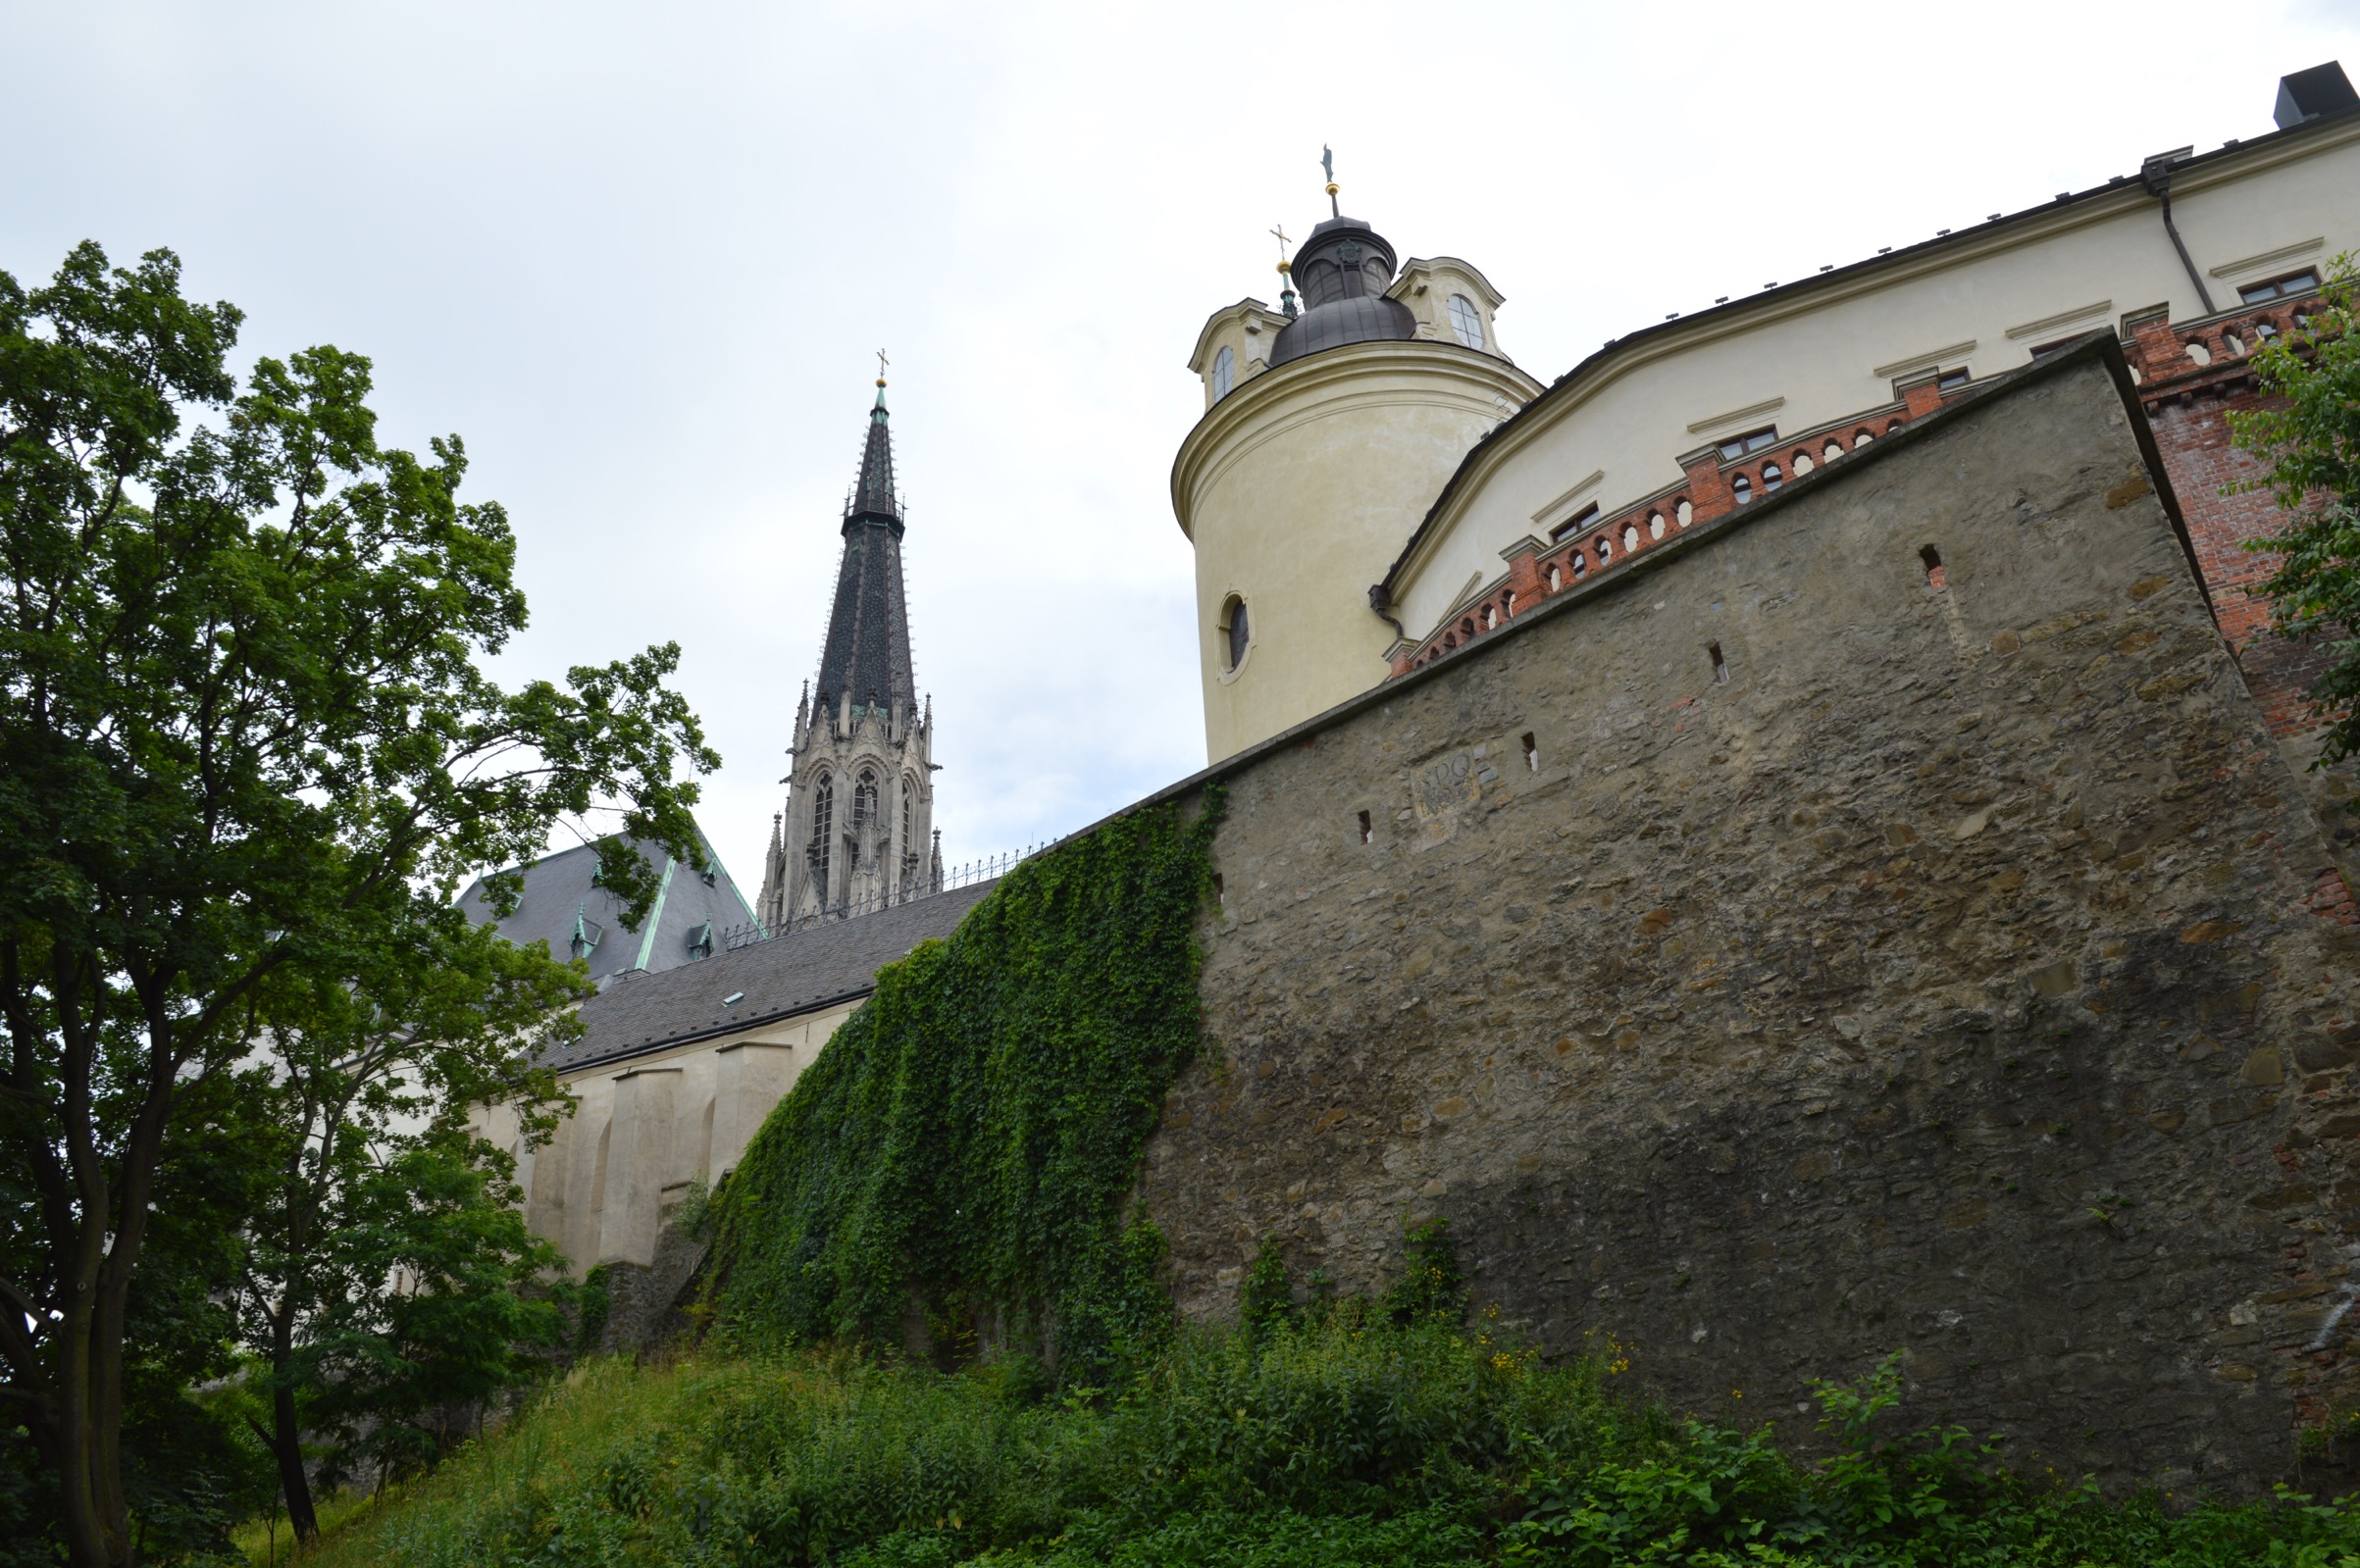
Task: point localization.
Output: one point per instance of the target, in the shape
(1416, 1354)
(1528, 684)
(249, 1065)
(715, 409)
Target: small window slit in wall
(1220, 893)
(1366, 832)
(1720, 666)
(1935, 576)
(1532, 752)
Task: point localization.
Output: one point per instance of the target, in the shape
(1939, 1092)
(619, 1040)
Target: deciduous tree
(243, 733)
(380, 1214)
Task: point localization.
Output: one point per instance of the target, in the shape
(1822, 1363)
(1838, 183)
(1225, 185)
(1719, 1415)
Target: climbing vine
(963, 1146)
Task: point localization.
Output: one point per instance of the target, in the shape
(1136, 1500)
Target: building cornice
(1623, 357)
(1419, 268)
(1244, 310)
(697, 1036)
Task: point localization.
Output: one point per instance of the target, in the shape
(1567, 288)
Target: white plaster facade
(647, 1127)
(1301, 486)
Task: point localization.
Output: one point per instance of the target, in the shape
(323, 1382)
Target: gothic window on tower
(823, 819)
(1224, 373)
(1237, 636)
(864, 801)
(1467, 321)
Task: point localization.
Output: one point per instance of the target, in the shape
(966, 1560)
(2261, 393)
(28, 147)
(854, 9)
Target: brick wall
(2188, 406)
(1953, 978)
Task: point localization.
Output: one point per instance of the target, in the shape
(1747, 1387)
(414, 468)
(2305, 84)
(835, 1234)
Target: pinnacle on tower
(873, 495)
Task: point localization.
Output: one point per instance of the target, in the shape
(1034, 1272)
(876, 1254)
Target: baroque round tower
(1327, 432)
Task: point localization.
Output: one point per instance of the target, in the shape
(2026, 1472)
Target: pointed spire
(866, 657)
(873, 497)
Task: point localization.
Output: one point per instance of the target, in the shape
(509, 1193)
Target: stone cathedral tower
(857, 829)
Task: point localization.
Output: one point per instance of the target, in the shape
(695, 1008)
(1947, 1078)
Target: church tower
(857, 829)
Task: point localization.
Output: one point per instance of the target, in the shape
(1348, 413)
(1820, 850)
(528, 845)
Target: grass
(1337, 1443)
(262, 1547)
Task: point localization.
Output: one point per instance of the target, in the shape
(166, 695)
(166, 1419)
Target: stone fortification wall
(1783, 953)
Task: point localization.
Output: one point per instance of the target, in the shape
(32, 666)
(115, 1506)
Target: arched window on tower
(1467, 321)
(1224, 372)
(823, 832)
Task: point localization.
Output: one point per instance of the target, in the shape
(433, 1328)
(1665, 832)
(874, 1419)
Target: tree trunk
(287, 1447)
(98, 1520)
(287, 1435)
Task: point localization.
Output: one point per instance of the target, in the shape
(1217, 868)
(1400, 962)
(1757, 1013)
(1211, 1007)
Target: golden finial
(1284, 265)
(882, 361)
(1327, 161)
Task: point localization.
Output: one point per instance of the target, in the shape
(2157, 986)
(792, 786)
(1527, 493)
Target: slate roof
(559, 891)
(867, 651)
(832, 962)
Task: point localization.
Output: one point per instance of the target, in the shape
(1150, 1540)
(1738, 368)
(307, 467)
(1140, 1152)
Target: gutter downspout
(2156, 176)
(1380, 599)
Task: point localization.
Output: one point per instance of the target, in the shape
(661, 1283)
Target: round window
(1224, 373)
(1466, 321)
(1236, 634)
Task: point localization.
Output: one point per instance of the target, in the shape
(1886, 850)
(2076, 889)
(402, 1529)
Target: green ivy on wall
(962, 1151)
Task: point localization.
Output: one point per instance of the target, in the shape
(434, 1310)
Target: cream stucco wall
(646, 1127)
(1811, 355)
(1297, 490)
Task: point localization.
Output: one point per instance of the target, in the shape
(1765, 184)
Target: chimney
(2309, 94)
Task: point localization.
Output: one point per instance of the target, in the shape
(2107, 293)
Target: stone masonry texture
(1945, 979)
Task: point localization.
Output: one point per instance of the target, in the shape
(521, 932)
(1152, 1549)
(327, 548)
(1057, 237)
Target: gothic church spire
(867, 652)
(857, 831)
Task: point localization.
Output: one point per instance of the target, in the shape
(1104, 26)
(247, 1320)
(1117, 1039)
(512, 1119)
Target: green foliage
(1265, 1297)
(2309, 441)
(1309, 1444)
(248, 751)
(385, 1369)
(1430, 1289)
(969, 1135)
(593, 1301)
(373, 1179)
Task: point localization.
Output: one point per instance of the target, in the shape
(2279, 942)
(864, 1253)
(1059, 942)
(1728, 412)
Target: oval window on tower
(1466, 321)
(1224, 373)
(1236, 634)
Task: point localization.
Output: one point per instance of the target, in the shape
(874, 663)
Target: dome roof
(1343, 271)
(1369, 319)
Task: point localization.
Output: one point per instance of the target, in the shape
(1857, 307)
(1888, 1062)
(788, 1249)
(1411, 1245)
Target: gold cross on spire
(1283, 243)
(882, 361)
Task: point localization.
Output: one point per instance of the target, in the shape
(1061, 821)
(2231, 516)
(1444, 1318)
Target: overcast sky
(640, 256)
